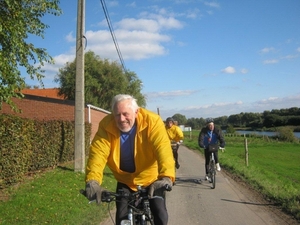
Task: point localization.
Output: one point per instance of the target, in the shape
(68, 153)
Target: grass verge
(52, 197)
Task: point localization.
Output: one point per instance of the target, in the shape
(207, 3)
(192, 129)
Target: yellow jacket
(153, 153)
(175, 133)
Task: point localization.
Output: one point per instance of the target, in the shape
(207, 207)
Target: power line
(113, 34)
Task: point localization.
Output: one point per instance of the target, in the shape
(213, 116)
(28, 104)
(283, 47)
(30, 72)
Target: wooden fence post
(246, 152)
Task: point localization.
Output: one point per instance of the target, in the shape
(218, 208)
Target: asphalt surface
(230, 203)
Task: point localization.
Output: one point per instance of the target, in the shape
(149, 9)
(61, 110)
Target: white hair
(122, 97)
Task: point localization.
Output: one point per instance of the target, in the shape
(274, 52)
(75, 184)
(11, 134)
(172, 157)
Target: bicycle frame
(212, 170)
(174, 146)
(139, 215)
(139, 212)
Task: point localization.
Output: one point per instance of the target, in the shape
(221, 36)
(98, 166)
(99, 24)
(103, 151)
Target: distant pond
(264, 133)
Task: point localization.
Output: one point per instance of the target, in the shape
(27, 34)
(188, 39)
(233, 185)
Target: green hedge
(27, 146)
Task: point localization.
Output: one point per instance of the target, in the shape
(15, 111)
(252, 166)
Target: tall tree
(103, 80)
(181, 119)
(19, 20)
(235, 120)
(221, 121)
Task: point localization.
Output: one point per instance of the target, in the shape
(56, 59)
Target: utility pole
(79, 157)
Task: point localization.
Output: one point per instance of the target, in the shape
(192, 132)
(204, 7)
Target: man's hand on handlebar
(93, 191)
(180, 142)
(164, 182)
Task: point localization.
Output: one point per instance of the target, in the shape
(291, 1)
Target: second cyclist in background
(210, 135)
(176, 137)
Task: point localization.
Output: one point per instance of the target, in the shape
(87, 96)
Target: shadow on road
(248, 203)
(188, 180)
(192, 182)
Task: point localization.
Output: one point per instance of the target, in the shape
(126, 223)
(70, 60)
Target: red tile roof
(46, 92)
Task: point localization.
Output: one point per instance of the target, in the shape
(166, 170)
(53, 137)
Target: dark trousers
(157, 206)
(207, 155)
(175, 153)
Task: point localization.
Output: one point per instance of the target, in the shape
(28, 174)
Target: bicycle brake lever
(168, 187)
(83, 192)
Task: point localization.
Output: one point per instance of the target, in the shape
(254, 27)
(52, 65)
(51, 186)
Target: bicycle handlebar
(107, 196)
(220, 148)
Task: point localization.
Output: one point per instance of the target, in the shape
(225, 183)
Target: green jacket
(153, 153)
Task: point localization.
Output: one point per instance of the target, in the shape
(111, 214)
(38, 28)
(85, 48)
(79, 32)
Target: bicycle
(175, 147)
(139, 212)
(212, 165)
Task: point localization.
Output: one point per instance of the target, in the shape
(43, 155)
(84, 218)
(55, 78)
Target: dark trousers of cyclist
(157, 206)
(175, 155)
(207, 155)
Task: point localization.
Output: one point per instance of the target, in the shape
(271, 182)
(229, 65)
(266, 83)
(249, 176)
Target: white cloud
(113, 3)
(267, 50)
(228, 69)
(244, 71)
(209, 12)
(214, 105)
(231, 108)
(170, 94)
(70, 37)
(277, 103)
(193, 14)
(270, 99)
(139, 24)
(212, 4)
(133, 44)
(166, 22)
(270, 61)
(212, 110)
(59, 62)
(290, 57)
(137, 39)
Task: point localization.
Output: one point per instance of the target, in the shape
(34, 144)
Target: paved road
(230, 203)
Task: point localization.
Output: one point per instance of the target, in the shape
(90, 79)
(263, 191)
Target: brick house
(45, 104)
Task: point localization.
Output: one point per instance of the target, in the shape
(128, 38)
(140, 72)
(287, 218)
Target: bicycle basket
(213, 148)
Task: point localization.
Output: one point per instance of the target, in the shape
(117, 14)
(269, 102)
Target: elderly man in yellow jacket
(176, 137)
(134, 144)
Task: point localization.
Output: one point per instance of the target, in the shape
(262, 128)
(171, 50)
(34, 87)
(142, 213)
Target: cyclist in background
(133, 143)
(176, 137)
(210, 135)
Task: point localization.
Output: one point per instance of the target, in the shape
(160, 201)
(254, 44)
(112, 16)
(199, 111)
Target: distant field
(273, 167)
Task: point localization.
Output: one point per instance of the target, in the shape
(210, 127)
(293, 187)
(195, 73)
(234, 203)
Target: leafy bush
(28, 146)
(286, 134)
(230, 129)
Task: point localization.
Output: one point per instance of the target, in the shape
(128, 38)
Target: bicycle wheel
(143, 220)
(147, 215)
(213, 174)
(149, 220)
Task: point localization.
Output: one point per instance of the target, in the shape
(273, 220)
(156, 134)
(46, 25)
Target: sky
(197, 58)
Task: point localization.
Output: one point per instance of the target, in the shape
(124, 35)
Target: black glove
(164, 182)
(93, 191)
